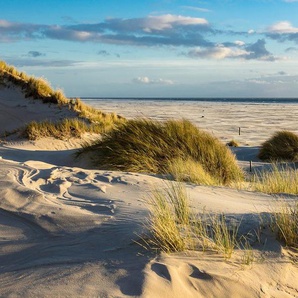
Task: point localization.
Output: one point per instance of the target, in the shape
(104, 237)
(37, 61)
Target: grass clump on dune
(190, 171)
(285, 223)
(233, 143)
(144, 145)
(37, 88)
(169, 215)
(282, 146)
(283, 179)
(93, 115)
(64, 129)
(40, 89)
(173, 227)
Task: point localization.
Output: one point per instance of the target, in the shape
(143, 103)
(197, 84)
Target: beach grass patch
(174, 227)
(233, 143)
(40, 89)
(64, 129)
(285, 223)
(191, 171)
(280, 179)
(282, 146)
(143, 145)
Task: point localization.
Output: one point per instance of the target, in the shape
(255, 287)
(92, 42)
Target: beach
(257, 121)
(69, 230)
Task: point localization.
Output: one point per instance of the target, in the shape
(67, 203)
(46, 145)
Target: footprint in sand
(161, 270)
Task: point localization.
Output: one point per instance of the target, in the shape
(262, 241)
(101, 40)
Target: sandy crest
(70, 231)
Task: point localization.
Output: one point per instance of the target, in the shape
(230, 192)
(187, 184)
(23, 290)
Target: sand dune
(16, 110)
(70, 231)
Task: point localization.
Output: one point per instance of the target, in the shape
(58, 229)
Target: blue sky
(164, 48)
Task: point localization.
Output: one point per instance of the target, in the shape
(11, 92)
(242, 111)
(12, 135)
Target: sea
(160, 108)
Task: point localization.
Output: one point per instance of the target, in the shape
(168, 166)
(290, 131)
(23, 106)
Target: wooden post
(239, 131)
(250, 166)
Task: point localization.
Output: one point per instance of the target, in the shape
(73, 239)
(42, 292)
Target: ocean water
(257, 118)
(194, 99)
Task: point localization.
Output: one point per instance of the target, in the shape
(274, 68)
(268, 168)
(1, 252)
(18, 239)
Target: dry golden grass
(281, 179)
(233, 143)
(285, 223)
(190, 171)
(175, 228)
(64, 129)
(40, 89)
(142, 145)
(282, 146)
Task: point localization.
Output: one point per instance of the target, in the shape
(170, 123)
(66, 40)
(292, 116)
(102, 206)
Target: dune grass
(281, 179)
(285, 223)
(233, 143)
(40, 89)
(64, 129)
(167, 220)
(282, 146)
(174, 228)
(37, 88)
(191, 171)
(143, 145)
(93, 115)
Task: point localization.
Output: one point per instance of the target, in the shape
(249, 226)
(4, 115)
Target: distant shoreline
(193, 99)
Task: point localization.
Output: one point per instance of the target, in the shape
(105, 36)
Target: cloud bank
(154, 31)
(255, 51)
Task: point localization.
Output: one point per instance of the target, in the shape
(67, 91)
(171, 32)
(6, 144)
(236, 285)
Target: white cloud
(219, 52)
(282, 27)
(168, 21)
(146, 80)
(239, 43)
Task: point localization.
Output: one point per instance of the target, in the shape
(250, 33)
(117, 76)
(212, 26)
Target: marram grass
(143, 145)
(64, 129)
(282, 179)
(40, 89)
(282, 146)
(174, 228)
(285, 223)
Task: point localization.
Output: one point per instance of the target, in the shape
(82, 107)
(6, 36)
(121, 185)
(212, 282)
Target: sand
(70, 231)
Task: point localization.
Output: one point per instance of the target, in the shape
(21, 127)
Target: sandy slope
(68, 231)
(16, 110)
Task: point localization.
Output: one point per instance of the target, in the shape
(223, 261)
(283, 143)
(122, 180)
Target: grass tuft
(233, 143)
(282, 146)
(65, 129)
(166, 220)
(285, 223)
(175, 228)
(191, 171)
(143, 145)
(283, 179)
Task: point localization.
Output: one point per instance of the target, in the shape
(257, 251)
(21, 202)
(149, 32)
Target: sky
(164, 48)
